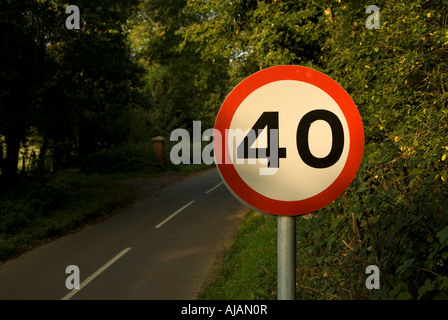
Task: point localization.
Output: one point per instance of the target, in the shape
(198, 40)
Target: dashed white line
(174, 214)
(96, 274)
(214, 187)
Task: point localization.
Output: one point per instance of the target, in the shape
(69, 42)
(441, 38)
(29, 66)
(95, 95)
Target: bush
(31, 200)
(128, 158)
(395, 213)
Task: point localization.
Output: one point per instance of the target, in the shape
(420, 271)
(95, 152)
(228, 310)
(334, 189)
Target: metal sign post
(286, 257)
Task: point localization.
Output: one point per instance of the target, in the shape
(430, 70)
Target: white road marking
(174, 214)
(214, 187)
(96, 274)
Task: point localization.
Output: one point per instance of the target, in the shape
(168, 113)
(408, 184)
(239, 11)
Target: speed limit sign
(293, 140)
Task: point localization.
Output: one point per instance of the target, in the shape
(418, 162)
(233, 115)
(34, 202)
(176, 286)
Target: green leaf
(404, 266)
(428, 286)
(443, 235)
(444, 283)
(445, 254)
(404, 296)
(445, 206)
(397, 289)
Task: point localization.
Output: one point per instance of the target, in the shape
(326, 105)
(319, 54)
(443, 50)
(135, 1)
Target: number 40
(273, 152)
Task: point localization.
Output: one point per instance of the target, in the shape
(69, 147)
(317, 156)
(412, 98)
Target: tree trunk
(86, 142)
(1, 157)
(42, 154)
(10, 162)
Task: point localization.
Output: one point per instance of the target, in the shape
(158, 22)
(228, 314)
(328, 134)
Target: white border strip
(173, 215)
(96, 274)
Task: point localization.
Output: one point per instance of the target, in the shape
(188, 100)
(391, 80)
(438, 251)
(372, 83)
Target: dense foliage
(64, 93)
(180, 84)
(395, 214)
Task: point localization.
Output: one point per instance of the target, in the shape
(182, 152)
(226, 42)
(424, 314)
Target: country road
(159, 248)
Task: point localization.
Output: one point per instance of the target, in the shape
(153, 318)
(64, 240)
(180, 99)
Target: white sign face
(292, 100)
(294, 137)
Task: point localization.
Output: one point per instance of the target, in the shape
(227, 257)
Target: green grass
(37, 211)
(248, 270)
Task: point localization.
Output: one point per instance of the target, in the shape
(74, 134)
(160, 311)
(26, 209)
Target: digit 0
(337, 145)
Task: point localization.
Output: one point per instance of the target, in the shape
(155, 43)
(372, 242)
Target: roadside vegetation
(41, 207)
(248, 270)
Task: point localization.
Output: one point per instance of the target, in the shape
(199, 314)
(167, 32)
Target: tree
(73, 87)
(259, 34)
(97, 79)
(180, 84)
(23, 74)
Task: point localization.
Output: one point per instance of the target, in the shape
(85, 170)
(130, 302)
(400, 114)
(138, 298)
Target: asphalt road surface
(161, 248)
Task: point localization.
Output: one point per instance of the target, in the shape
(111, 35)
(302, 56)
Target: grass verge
(37, 211)
(326, 268)
(248, 270)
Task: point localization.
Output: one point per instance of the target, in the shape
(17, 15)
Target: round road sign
(292, 140)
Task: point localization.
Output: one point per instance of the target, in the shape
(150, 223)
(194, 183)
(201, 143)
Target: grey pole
(286, 257)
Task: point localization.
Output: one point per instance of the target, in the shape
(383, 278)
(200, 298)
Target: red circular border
(258, 201)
